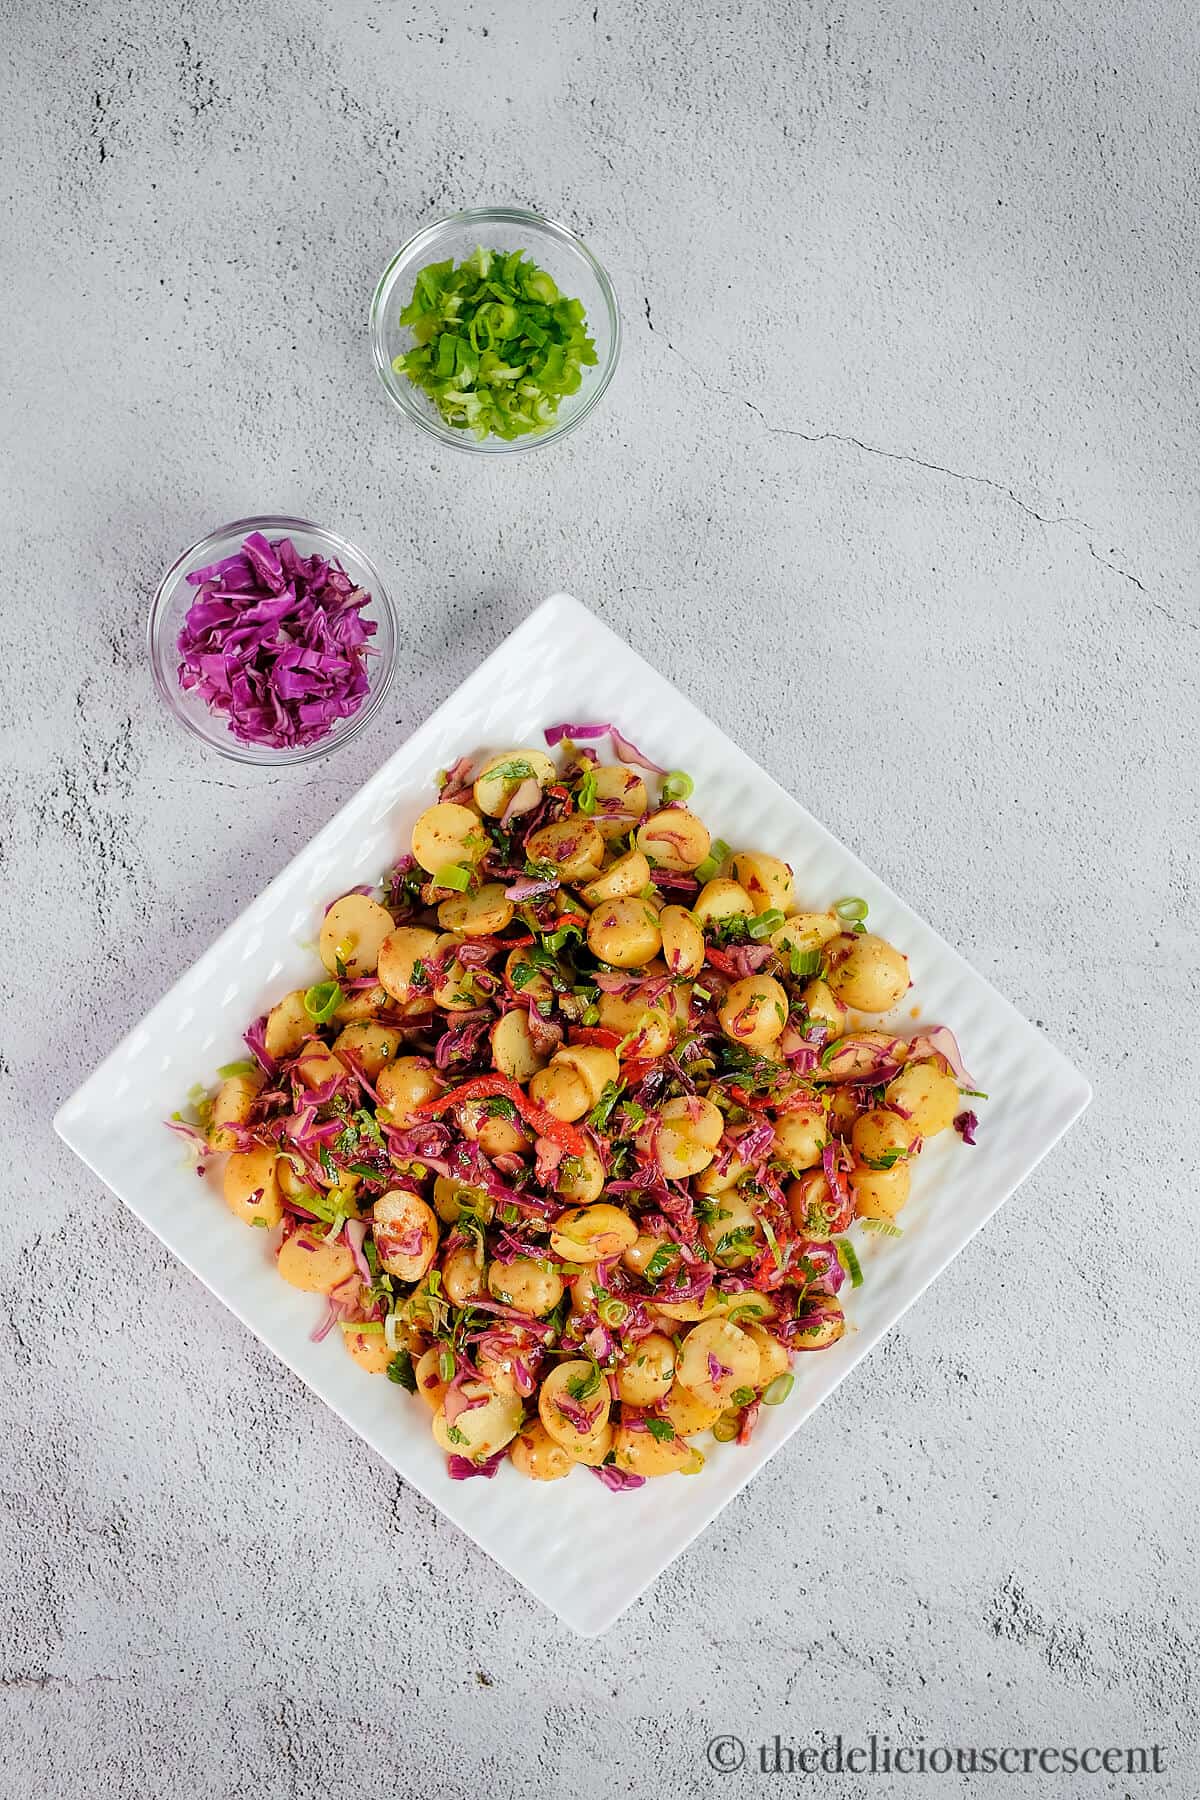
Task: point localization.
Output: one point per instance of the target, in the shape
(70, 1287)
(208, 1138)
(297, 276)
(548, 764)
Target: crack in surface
(1079, 526)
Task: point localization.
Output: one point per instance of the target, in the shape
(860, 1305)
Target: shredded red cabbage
(627, 752)
(463, 1469)
(276, 642)
(620, 1481)
(966, 1125)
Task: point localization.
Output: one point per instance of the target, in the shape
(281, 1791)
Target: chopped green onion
(851, 910)
(497, 347)
(586, 798)
(611, 1311)
(881, 1227)
(453, 875)
(765, 923)
(717, 856)
(364, 1325)
(245, 1067)
(322, 1001)
(742, 1396)
(726, 1428)
(803, 963)
(678, 786)
(591, 1015)
(769, 1234)
(446, 1364)
(778, 1390)
(848, 1257)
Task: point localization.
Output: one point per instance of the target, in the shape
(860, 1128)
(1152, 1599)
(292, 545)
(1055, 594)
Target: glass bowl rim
(419, 411)
(264, 755)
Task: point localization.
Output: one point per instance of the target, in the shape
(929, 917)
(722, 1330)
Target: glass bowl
(555, 248)
(175, 595)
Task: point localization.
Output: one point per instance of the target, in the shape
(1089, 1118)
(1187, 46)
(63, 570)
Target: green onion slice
(777, 1391)
(678, 785)
(245, 1067)
(848, 1257)
(718, 855)
(765, 923)
(881, 1227)
(453, 875)
(851, 910)
(322, 1001)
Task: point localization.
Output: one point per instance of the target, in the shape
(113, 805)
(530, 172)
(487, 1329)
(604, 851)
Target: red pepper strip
(751, 1102)
(514, 943)
(720, 960)
(491, 1087)
(595, 1034)
(638, 1067)
(570, 919)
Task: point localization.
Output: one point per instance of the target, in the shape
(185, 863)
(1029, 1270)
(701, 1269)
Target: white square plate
(585, 1552)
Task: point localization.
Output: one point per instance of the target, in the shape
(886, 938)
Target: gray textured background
(898, 480)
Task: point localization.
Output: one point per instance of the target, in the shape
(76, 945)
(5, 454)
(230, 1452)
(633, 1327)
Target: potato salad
(571, 1133)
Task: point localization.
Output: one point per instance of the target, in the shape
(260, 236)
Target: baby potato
(624, 933)
(621, 799)
(800, 1137)
(754, 1011)
(448, 834)
(640, 1453)
(719, 899)
(576, 1386)
(641, 1252)
(526, 1285)
(513, 1053)
(825, 1325)
(688, 1412)
(647, 1027)
(432, 1385)
(406, 1234)
(683, 1312)
(497, 1135)
(861, 1055)
(682, 940)
(502, 774)
(351, 933)
(628, 875)
(872, 976)
(482, 1430)
(573, 846)
(233, 1105)
(483, 914)
(406, 1084)
(462, 1276)
(574, 1079)
(880, 1193)
(674, 839)
(716, 1359)
(880, 1138)
(319, 1065)
(398, 956)
(690, 1128)
(251, 1186)
(356, 1008)
(372, 1046)
(844, 1108)
(805, 932)
(740, 1309)
(535, 1454)
(368, 1348)
(715, 1181)
(773, 1359)
(928, 1094)
(451, 1198)
(823, 1005)
(766, 879)
(734, 1219)
(816, 1211)
(581, 1178)
(586, 1291)
(453, 992)
(591, 1234)
(649, 1372)
(308, 1260)
(562, 1090)
(288, 1024)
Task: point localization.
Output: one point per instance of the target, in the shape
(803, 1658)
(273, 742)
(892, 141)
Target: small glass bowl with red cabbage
(273, 640)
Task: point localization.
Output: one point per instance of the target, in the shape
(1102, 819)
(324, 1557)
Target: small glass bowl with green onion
(495, 330)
